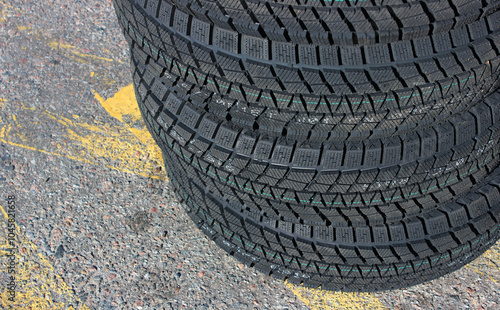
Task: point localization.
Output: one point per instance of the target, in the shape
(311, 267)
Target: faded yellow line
(125, 145)
(84, 142)
(79, 54)
(37, 283)
(7, 10)
(76, 51)
(488, 264)
(318, 299)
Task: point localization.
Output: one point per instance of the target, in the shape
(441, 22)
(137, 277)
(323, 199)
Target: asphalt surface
(97, 224)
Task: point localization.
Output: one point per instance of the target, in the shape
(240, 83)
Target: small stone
(139, 303)
(470, 290)
(56, 234)
(12, 31)
(59, 252)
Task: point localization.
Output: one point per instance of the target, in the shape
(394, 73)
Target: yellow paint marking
(123, 106)
(3, 100)
(117, 109)
(76, 52)
(37, 283)
(488, 264)
(103, 80)
(318, 299)
(7, 10)
(14, 118)
(11, 6)
(122, 146)
(126, 146)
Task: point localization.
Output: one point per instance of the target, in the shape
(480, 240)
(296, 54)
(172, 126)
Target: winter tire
(347, 145)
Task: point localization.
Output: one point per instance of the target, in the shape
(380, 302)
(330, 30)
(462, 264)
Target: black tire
(348, 145)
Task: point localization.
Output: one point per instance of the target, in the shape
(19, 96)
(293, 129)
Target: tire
(344, 145)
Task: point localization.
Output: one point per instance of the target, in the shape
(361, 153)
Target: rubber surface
(348, 145)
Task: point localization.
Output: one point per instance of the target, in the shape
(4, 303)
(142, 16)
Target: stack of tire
(347, 145)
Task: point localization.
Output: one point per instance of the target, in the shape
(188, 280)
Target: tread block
(284, 52)
(166, 13)
(328, 55)
(226, 39)
(255, 47)
(200, 31)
